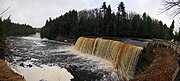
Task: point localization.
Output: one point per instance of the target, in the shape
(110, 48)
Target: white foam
(33, 38)
(46, 73)
(102, 63)
(39, 44)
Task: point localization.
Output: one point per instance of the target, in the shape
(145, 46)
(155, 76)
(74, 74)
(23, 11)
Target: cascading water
(47, 60)
(123, 56)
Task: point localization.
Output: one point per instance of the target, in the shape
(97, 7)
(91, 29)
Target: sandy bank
(6, 74)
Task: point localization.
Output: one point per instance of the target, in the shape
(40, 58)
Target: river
(39, 59)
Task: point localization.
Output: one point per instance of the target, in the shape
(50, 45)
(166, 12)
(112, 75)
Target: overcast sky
(36, 12)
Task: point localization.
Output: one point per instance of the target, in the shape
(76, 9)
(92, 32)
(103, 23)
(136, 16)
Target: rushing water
(123, 56)
(47, 60)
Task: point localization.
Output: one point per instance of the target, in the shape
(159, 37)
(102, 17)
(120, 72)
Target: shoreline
(6, 73)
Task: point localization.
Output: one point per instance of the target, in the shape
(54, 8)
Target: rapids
(37, 59)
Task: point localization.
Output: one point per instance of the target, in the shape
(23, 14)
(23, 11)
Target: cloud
(36, 12)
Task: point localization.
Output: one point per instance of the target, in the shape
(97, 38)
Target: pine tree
(121, 11)
(171, 30)
(104, 8)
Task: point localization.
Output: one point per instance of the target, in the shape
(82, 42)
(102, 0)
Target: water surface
(47, 60)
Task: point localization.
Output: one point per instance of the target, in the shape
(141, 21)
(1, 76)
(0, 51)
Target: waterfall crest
(123, 56)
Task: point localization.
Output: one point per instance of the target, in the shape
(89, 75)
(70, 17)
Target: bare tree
(1, 14)
(5, 10)
(172, 7)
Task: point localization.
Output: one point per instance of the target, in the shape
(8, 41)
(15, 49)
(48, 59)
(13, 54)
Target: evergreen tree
(178, 35)
(167, 33)
(122, 27)
(171, 30)
(4, 27)
(104, 8)
(103, 22)
(121, 11)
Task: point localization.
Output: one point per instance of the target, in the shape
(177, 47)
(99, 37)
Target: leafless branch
(6, 8)
(173, 6)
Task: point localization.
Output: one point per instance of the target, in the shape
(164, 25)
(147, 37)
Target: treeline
(103, 22)
(21, 30)
(7, 28)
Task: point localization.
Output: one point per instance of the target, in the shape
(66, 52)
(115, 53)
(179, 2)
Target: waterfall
(123, 56)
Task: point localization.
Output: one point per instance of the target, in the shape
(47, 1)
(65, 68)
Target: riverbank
(6, 73)
(162, 68)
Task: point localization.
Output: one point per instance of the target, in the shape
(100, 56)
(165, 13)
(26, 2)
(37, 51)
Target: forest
(21, 30)
(8, 28)
(102, 22)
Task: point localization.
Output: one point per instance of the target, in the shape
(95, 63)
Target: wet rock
(29, 65)
(22, 64)
(83, 74)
